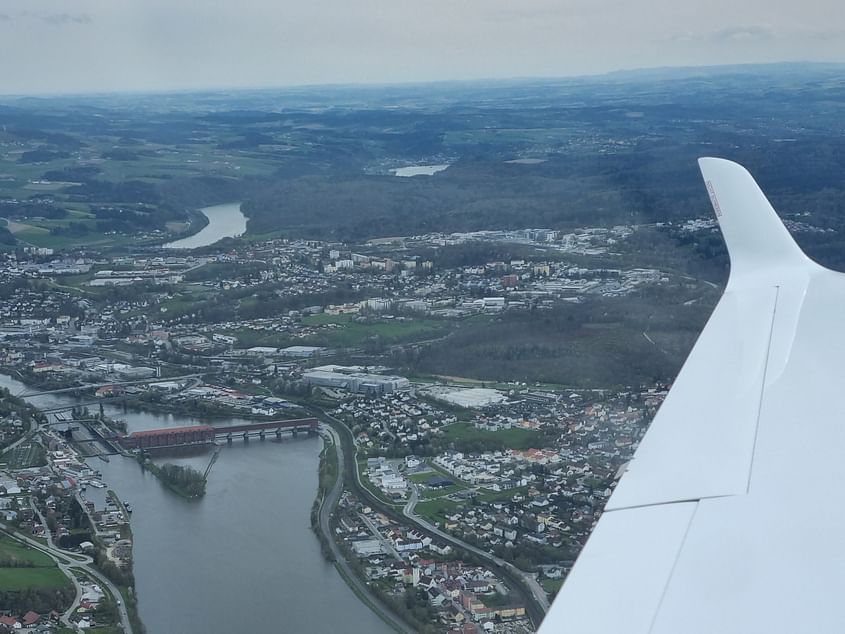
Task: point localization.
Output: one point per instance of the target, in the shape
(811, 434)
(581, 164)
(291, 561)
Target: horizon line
(423, 82)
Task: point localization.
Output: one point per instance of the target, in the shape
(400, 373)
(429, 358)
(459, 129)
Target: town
(370, 367)
(475, 494)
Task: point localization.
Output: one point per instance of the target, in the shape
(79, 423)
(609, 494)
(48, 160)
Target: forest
(554, 154)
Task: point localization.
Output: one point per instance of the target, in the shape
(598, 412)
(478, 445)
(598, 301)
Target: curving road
(531, 582)
(537, 602)
(327, 508)
(66, 561)
(65, 618)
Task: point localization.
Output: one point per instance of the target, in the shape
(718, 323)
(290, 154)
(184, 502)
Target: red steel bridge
(205, 434)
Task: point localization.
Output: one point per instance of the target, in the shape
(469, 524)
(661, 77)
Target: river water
(419, 170)
(224, 221)
(243, 558)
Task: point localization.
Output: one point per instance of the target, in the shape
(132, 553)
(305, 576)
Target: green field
(40, 236)
(13, 550)
(22, 578)
(347, 334)
(430, 494)
(353, 333)
(551, 585)
(485, 495)
(322, 319)
(43, 572)
(155, 163)
(434, 510)
(422, 477)
(513, 438)
(184, 301)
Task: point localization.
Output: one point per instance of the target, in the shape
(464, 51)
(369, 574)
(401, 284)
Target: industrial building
(302, 352)
(357, 382)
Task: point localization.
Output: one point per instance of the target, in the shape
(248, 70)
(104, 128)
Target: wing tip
(755, 235)
(709, 164)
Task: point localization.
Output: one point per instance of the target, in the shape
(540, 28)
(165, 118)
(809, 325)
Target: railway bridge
(206, 434)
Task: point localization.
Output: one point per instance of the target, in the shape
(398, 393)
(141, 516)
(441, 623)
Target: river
(419, 170)
(224, 221)
(243, 558)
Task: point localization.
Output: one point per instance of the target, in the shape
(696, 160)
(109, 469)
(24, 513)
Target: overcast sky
(49, 46)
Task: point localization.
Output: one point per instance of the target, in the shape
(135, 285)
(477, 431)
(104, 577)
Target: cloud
(834, 34)
(53, 19)
(759, 34)
(60, 19)
(744, 34)
(727, 35)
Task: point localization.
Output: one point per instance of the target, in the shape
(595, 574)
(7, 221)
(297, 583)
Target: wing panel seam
(762, 391)
(668, 502)
(672, 570)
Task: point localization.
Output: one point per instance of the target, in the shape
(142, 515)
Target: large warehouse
(358, 382)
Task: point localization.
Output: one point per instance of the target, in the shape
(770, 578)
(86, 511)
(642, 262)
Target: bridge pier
(265, 430)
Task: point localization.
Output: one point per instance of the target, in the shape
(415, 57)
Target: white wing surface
(728, 519)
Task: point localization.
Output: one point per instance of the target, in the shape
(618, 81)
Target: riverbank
(325, 505)
(122, 576)
(327, 473)
(509, 573)
(178, 586)
(200, 410)
(224, 221)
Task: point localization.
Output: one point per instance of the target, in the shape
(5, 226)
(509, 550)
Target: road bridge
(94, 386)
(68, 408)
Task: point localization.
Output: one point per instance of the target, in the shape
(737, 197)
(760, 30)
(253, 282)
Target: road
(65, 618)
(537, 602)
(531, 582)
(327, 508)
(384, 542)
(30, 436)
(66, 561)
(90, 386)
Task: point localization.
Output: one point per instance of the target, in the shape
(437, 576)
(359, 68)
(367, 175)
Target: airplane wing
(728, 519)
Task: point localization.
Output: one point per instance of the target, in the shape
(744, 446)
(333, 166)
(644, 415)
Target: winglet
(756, 238)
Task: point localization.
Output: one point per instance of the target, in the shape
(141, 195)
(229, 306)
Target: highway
(327, 508)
